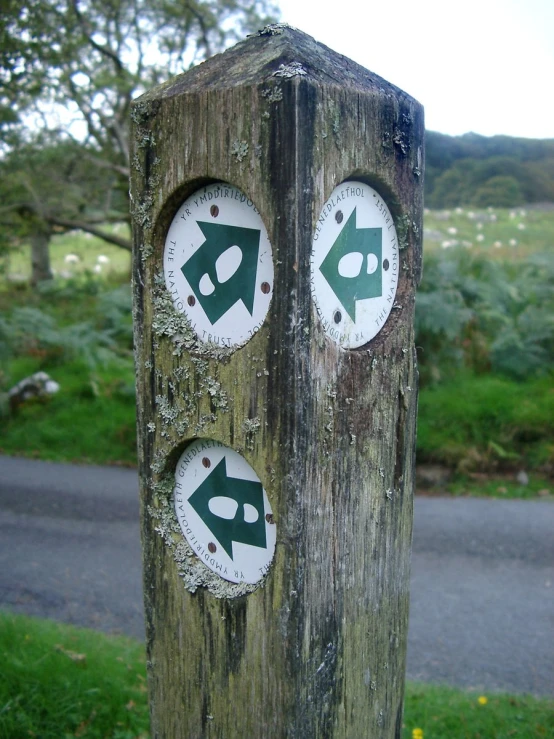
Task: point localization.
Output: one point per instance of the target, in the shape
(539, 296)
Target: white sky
(482, 65)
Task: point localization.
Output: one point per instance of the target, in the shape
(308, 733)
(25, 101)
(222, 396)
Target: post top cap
(276, 52)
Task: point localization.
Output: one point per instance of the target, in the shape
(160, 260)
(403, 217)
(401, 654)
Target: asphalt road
(482, 610)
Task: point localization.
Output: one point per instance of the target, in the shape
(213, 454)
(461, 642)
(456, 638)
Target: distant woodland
(483, 171)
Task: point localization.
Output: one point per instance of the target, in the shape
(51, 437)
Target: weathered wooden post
(277, 204)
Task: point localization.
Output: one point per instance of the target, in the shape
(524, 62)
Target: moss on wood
(319, 650)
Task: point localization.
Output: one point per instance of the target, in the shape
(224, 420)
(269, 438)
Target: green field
(60, 681)
(500, 233)
(485, 342)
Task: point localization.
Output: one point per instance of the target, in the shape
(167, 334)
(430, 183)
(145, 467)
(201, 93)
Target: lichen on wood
(319, 650)
(193, 572)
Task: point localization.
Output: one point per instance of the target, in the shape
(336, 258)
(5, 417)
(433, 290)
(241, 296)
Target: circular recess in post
(354, 264)
(224, 512)
(218, 265)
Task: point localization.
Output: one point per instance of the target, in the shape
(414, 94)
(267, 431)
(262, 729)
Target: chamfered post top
(278, 51)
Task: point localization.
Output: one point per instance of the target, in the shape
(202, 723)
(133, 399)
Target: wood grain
(319, 650)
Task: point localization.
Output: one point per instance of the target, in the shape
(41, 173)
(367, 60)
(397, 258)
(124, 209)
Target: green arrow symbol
(244, 492)
(368, 282)
(214, 289)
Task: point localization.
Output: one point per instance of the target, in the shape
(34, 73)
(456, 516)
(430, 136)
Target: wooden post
(277, 208)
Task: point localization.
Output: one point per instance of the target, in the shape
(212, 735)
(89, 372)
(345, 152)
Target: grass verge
(60, 681)
(77, 328)
(503, 487)
(91, 420)
(57, 681)
(487, 422)
(473, 424)
(446, 713)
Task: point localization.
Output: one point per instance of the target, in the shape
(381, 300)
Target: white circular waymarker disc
(218, 265)
(354, 264)
(224, 512)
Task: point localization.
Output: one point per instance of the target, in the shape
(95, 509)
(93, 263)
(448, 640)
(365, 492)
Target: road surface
(482, 610)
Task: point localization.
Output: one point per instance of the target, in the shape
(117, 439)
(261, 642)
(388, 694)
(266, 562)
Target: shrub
(47, 331)
(479, 314)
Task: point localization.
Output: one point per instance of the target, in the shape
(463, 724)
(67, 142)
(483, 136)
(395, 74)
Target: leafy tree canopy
(72, 67)
(49, 183)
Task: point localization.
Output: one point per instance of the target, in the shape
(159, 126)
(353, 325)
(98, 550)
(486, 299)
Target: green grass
(478, 422)
(92, 417)
(59, 681)
(499, 486)
(447, 713)
(90, 420)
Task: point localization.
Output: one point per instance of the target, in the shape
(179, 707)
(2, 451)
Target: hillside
(481, 171)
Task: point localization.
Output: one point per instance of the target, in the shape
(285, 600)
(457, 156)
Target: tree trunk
(40, 256)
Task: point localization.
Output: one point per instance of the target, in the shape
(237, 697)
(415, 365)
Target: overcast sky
(482, 65)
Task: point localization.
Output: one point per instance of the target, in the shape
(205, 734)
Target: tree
(72, 67)
(501, 191)
(457, 166)
(455, 185)
(47, 186)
